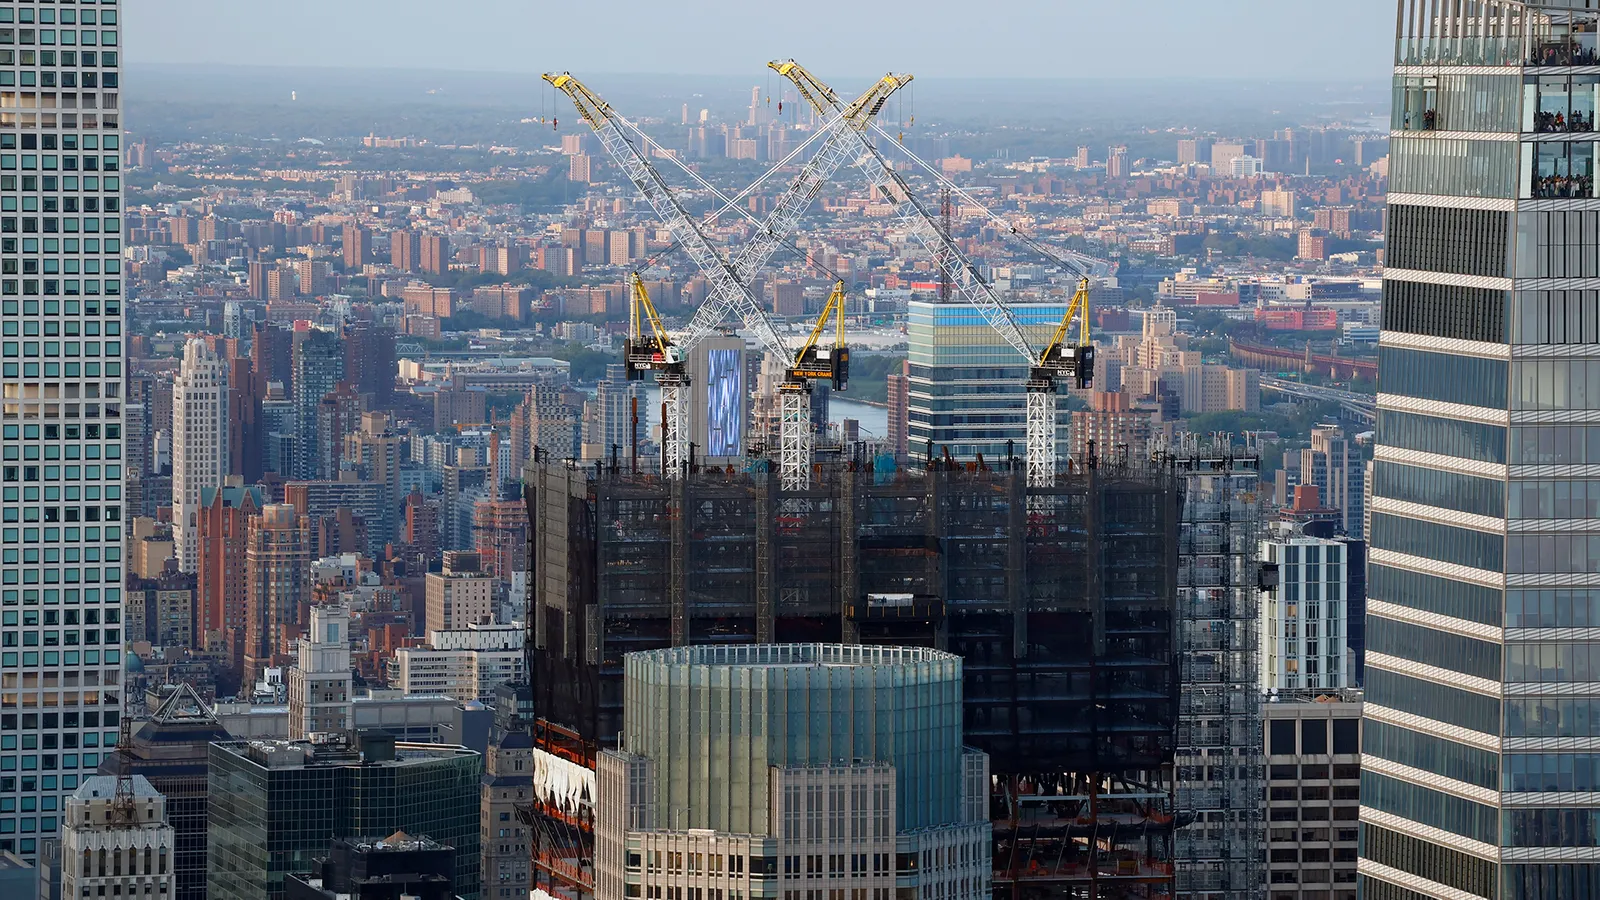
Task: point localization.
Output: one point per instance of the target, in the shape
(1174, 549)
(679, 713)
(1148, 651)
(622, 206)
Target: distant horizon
(1021, 39)
(760, 74)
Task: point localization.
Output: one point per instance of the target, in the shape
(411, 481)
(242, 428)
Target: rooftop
(776, 655)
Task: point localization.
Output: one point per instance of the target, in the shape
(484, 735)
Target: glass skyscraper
(1482, 733)
(61, 513)
(967, 392)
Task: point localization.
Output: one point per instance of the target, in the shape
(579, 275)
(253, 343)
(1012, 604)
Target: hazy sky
(1281, 39)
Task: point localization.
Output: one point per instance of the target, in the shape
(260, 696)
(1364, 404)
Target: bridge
(1279, 359)
(1355, 407)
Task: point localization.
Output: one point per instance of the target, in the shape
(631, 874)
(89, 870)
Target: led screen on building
(724, 403)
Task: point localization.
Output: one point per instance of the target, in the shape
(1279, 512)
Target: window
(1445, 377)
(1558, 169)
(1441, 310)
(1460, 241)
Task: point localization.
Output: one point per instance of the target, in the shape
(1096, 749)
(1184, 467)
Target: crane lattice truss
(729, 291)
(919, 222)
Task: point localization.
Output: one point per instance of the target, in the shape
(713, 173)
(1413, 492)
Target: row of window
(1558, 244)
(1558, 170)
(52, 596)
(60, 348)
(51, 58)
(1552, 827)
(1552, 717)
(52, 37)
(1553, 608)
(1444, 377)
(60, 224)
(1569, 881)
(1429, 807)
(1433, 700)
(1460, 241)
(1553, 554)
(1440, 649)
(1433, 487)
(30, 658)
(1553, 662)
(53, 287)
(1552, 772)
(112, 306)
(48, 142)
(1447, 437)
(1428, 859)
(54, 452)
(1555, 445)
(1453, 168)
(1445, 543)
(68, 80)
(1556, 317)
(51, 162)
(1456, 103)
(1444, 310)
(1431, 593)
(50, 762)
(47, 16)
(1432, 754)
(1556, 384)
(1564, 499)
(1559, 103)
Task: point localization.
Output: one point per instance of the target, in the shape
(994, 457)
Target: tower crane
(728, 282)
(1062, 358)
(813, 362)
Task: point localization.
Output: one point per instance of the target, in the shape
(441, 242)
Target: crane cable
(1081, 269)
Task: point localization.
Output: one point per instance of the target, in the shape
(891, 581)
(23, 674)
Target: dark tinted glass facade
(271, 818)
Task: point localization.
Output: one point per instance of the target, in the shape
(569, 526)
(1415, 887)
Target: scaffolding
(1061, 599)
(1220, 758)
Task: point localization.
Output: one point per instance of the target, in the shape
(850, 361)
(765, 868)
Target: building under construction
(1063, 601)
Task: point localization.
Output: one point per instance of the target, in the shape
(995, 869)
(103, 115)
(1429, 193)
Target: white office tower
(319, 684)
(199, 443)
(116, 846)
(1303, 618)
(786, 770)
(61, 355)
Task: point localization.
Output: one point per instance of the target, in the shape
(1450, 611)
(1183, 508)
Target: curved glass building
(816, 766)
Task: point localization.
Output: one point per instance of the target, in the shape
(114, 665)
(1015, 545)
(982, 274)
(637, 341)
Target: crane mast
(1041, 444)
(813, 362)
(728, 282)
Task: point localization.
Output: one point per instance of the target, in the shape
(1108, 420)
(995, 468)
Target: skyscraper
(274, 804)
(319, 684)
(318, 365)
(222, 595)
(108, 845)
(277, 560)
(79, 230)
(199, 442)
(967, 384)
(1480, 716)
(899, 394)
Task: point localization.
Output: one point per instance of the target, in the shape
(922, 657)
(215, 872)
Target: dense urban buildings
(381, 565)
